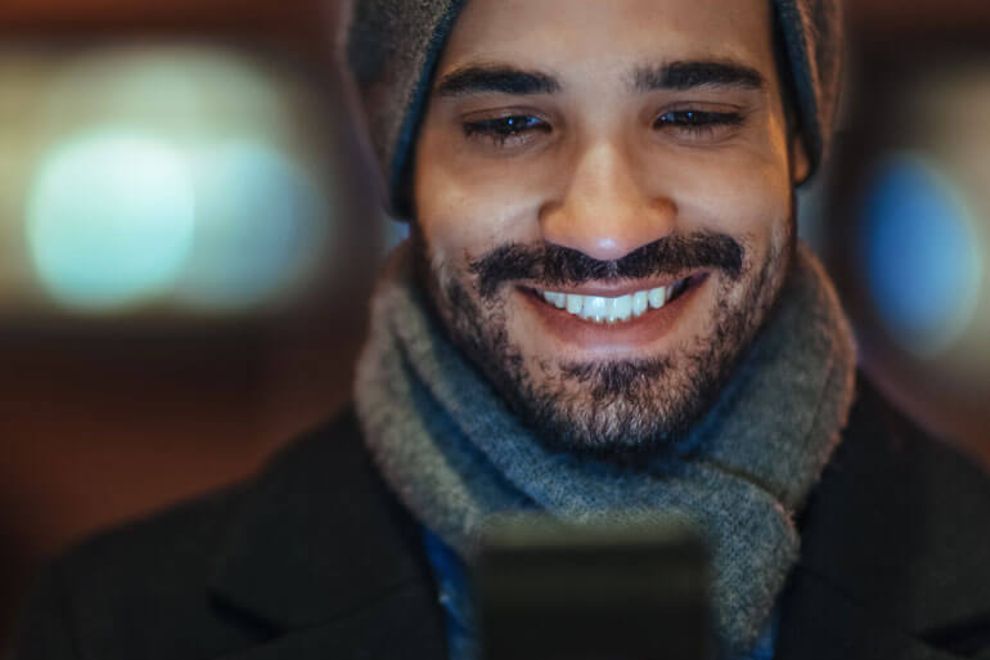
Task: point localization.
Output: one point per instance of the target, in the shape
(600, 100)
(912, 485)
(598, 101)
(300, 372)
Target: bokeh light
(922, 257)
(182, 91)
(110, 220)
(262, 225)
(175, 179)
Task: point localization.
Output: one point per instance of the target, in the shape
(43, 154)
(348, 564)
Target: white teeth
(621, 309)
(595, 308)
(640, 302)
(658, 297)
(558, 300)
(611, 310)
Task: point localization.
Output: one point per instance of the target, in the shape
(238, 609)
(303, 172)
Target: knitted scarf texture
(455, 455)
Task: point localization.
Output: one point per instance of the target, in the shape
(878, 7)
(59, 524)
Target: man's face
(603, 196)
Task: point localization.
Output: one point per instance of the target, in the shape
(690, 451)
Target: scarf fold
(455, 455)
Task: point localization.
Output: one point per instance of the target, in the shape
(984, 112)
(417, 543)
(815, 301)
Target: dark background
(106, 418)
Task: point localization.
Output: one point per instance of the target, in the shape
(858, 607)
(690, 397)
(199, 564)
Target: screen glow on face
(603, 196)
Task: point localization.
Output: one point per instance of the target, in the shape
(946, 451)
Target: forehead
(563, 34)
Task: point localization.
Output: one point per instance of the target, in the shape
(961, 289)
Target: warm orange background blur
(102, 422)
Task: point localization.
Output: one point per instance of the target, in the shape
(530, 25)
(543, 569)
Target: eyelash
(691, 123)
(697, 123)
(499, 130)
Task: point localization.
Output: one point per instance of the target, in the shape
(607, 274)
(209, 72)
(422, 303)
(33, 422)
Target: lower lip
(651, 327)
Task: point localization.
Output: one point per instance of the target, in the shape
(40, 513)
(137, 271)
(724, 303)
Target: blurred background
(188, 236)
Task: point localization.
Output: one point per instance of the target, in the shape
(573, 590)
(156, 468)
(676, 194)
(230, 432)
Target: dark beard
(620, 409)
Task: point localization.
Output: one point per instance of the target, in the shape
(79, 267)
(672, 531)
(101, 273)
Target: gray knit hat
(393, 48)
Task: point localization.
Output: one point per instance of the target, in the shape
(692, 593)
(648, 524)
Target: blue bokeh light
(922, 261)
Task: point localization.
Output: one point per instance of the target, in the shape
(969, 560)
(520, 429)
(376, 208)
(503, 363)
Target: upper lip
(609, 289)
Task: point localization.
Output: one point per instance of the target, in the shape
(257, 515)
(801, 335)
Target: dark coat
(314, 559)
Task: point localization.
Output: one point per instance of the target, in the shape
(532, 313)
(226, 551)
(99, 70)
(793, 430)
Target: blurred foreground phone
(548, 590)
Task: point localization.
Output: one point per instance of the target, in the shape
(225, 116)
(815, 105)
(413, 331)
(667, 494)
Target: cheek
(467, 204)
(463, 213)
(740, 199)
(743, 189)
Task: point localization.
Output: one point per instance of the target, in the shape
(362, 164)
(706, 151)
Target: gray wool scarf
(455, 455)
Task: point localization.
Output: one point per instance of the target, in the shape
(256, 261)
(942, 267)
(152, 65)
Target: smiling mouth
(620, 309)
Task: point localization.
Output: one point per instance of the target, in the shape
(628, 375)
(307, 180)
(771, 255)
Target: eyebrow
(500, 79)
(689, 75)
(505, 79)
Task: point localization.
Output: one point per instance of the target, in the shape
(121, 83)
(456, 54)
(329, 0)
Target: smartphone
(549, 590)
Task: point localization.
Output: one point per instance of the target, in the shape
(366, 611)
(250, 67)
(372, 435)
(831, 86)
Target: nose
(606, 209)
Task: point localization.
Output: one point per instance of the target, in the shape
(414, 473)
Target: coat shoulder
(894, 477)
(142, 589)
(897, 524)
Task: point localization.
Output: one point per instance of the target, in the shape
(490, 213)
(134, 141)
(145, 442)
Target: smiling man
(607, 206)
(602, 311)
(602, 207)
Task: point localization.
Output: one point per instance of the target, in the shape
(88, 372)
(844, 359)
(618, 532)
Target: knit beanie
(394, 46)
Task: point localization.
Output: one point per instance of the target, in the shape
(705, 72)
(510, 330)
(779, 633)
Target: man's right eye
(501, 130)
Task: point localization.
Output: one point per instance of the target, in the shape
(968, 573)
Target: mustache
(557, 265)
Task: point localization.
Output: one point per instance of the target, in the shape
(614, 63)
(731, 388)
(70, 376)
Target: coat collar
(319, 537)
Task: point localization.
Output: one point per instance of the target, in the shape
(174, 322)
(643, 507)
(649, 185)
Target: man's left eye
(697, 122)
